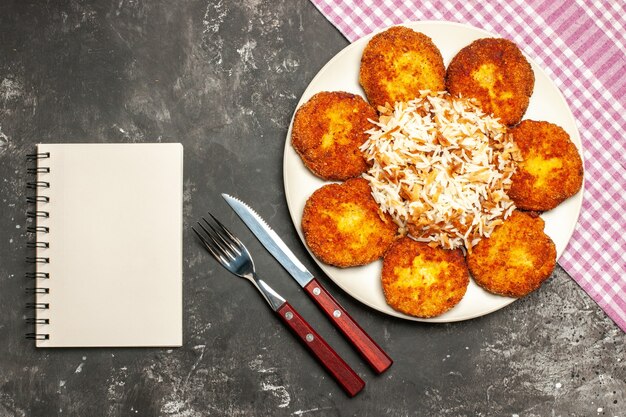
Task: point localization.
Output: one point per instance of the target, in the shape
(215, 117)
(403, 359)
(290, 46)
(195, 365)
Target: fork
(232, 254)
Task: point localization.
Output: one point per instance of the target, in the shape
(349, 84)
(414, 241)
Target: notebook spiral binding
(37, 201)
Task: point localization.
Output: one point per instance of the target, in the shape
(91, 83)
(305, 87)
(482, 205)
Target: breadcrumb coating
(421, 280)
(328, 131)
(343, 226)
(551, 169)
(397, 64)
(516, 259)
(495, 73)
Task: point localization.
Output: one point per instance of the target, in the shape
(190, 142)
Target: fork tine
(225, 236)
(234, 238)
(225, 247)
(223, 251)
(200, 237)
(209, 245)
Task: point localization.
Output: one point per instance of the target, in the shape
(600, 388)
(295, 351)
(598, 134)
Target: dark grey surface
(224, 78)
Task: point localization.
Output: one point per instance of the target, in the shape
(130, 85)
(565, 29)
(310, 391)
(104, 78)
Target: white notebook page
(115, 245)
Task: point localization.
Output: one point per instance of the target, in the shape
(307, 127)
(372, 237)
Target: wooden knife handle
(371, 352)
(337, 367)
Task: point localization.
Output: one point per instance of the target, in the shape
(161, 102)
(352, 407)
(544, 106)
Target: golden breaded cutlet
(516, 259)
(495, 73)
(327, 132)
(343, 226)
(421, 280)
(551, 170)
(397, 64)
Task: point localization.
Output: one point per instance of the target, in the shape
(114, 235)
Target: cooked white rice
(441, 168)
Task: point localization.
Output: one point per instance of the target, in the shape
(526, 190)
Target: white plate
(341, 74)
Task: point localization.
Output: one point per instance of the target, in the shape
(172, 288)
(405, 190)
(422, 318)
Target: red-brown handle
(371, 352)
(337, 367)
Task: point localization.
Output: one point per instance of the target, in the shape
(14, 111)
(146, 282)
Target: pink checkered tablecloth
(582, 47)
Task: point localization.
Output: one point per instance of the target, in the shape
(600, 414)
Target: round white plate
(341, 74)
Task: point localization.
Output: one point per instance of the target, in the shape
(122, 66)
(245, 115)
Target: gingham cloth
(582, 47)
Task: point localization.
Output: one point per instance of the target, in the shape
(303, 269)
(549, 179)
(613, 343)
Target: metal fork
(232, 254)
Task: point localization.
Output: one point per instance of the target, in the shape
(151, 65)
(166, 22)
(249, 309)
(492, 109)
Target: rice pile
(441, 168)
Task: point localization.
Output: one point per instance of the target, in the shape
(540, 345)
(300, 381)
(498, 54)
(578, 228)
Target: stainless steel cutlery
(363, 343)
(231, 253)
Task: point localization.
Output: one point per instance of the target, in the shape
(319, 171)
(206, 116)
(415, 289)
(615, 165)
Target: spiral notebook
(108, 239)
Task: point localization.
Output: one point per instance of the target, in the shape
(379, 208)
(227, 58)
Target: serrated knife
(369, 350)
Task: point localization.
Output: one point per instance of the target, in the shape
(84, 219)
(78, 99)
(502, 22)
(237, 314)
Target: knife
(369, 350)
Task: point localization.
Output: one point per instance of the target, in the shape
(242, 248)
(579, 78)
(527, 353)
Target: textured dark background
(224, 78)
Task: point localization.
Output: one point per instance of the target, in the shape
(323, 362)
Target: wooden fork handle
(337, 367)
(369, 350)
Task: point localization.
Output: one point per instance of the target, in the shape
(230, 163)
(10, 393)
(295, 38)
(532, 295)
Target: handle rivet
(337, 313)
(316, 291)
(309, 337)
(289, 315)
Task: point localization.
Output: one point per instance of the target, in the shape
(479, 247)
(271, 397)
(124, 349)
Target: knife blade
(365, 345)
(272, 242)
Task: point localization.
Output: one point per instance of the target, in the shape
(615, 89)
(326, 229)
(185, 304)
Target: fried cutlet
(343, 226)
(327, 132)
(421, 280)
(551, 170)
(397, 64)
(496, 74)
(516, 259)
